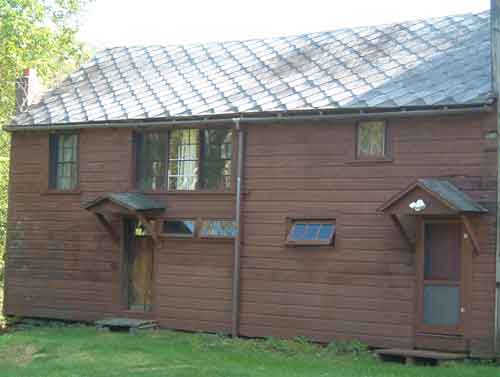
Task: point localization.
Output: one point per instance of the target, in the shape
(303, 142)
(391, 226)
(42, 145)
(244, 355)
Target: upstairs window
(371, 140)
(151, 154)
(184, 159)
(63, 161)
(311, 232)
(217, 156)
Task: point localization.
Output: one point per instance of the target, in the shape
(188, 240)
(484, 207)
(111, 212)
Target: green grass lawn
(82, 351)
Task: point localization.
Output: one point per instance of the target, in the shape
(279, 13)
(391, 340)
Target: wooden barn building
(335, 185)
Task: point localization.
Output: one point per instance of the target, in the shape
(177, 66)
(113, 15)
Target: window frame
(179, 235)
(52, 175)
(291, 223)
(211, 237)
(387, 156)
(198, 189)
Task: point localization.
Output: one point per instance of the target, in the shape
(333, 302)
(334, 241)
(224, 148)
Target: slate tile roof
(440, 61)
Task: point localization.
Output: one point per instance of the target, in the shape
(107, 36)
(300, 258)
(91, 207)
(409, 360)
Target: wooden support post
(105, 223)
(403, 232)
(472, 234)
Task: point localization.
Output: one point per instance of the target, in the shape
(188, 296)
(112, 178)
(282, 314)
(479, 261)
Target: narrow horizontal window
(219, 228)
(179, 228)
(312, 232)
(63, 161)
(371, 143)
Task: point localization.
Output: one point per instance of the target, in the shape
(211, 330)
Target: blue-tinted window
(298, 232)
(312, 232)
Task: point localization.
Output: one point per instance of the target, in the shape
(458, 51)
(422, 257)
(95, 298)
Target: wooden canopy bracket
(105, 223)
(402, 230)
(472, 234)
(149, 226)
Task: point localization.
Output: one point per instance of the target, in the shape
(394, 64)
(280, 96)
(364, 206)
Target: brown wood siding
(364, 287)
(63, 264)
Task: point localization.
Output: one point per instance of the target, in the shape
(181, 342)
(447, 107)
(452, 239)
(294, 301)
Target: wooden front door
(441, 279)
(141, 274)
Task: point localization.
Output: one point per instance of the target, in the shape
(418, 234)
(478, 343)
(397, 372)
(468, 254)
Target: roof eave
(262, 117)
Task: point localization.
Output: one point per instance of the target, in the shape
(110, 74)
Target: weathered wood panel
(62, 264)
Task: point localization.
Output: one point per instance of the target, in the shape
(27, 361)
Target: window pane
(151, 154)
(371, 139)
(63, 161)
(441, 305)
(183, 159)
(325, 232)
(182, 227)
(298, 232)
(217, 158)
(219, 228)
(312, 232)
(308, 232)
(442, 252)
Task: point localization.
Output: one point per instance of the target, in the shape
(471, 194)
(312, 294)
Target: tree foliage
(38, 34)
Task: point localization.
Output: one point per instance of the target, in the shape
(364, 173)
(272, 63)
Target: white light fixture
(418, 205)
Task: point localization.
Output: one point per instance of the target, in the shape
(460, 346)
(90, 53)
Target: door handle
(462, 310)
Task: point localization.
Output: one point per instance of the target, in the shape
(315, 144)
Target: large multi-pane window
(184, 159)
(63, 161)
(151, 154)
(217, 153)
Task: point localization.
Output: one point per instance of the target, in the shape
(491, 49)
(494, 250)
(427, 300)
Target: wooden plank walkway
(411, 356)
(125, 324)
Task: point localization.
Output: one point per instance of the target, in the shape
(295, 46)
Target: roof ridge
(291, 35)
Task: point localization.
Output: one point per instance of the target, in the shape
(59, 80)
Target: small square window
(179, 228)
(311, 232)
(219, 228)
(371, 140)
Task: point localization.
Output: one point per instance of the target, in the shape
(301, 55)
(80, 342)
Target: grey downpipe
(235, 318)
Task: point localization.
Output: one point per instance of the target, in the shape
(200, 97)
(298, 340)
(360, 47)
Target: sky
(110, 23)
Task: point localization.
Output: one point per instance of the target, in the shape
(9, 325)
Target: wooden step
(411, 356)
(125, 324)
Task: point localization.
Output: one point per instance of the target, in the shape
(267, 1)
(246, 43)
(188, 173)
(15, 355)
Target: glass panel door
(441, 284)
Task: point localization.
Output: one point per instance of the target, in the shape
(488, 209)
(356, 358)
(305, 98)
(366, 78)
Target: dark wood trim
(109, 228)
(395, 219)
(472, 234)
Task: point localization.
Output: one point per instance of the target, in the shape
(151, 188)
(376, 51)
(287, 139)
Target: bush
(354, 347)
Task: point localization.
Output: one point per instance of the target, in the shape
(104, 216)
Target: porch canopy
(433, 197)
(125, 204)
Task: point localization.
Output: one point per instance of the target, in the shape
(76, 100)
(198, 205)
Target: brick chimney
(28, 90)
